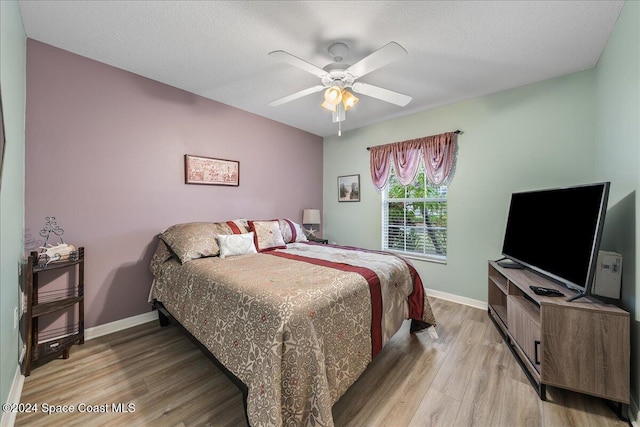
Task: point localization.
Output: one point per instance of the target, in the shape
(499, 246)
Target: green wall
(540, 135)
(13, 86)
(574, 129)
(617, 89)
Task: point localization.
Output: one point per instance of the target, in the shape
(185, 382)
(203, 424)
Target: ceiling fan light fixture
(329, 107)
(338, 115)
(333, 95)
(348, 100)
(338, 76)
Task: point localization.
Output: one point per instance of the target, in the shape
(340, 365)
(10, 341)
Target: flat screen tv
(557, 232)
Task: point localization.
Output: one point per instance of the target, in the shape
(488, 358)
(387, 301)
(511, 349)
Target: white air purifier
(608, 275)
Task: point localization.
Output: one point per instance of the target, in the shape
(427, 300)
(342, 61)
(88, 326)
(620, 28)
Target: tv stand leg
(620, 409)
(542, 392)
(576, 296)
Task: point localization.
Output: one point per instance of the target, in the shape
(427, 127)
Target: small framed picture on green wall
(349, 188)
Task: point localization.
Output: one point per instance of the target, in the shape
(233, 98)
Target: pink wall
(104, 155)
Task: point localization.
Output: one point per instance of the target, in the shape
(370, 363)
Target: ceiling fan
(337, 78)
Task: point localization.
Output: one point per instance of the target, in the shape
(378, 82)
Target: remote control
(548, 292)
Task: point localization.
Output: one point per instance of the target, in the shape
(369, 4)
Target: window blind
(414, 218)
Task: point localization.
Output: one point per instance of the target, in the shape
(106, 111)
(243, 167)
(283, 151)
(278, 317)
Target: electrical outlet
(16, 318)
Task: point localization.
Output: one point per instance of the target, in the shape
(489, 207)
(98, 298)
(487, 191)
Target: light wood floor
(466, 377)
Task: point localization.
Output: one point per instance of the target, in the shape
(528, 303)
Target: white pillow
(236, 244)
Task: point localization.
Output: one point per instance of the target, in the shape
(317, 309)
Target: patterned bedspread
(295, 325)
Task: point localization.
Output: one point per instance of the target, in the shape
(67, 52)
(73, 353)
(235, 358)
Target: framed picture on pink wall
(211, 171)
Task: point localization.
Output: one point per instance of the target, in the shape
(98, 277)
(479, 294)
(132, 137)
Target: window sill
(427, 258)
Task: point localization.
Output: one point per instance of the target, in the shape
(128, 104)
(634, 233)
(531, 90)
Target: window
(414, 218)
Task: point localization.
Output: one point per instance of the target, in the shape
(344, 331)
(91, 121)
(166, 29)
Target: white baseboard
(482, 305)
(9, 418)
(119, 325)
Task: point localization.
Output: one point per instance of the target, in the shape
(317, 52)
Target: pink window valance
(436, 152)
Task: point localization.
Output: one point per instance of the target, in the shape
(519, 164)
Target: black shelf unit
(54, 342)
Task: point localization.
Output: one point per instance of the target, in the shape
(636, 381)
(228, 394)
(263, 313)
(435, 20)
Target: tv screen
(557, 232)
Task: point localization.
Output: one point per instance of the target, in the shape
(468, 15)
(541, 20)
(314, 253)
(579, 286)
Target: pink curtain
(380, 165)
(438, 155)
(406, 160)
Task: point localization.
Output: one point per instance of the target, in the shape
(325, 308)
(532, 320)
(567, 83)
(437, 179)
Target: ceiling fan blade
(381, 57)
(283, 56)
(296, 95)
(381, 94)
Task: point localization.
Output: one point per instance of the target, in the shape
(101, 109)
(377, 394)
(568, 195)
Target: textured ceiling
(457, 50)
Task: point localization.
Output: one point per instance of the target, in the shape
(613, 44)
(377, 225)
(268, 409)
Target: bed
(294, 323)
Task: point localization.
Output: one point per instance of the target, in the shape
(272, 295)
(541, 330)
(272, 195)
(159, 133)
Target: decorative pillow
(242, 222)
(237, 226)
(291, 231)
(236, 244)
(191, 240)
(267, 235)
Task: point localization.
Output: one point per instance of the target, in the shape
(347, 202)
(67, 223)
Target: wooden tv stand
(581, 345)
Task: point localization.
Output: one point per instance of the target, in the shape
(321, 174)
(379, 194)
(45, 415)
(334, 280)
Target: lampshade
(311, 216)
(348, 100)
(333, 95)
(328, 106)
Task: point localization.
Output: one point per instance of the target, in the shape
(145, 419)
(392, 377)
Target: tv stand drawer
(524, 326)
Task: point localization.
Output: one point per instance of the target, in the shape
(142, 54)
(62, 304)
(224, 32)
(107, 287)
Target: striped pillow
(237, 226)
(291, 231)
